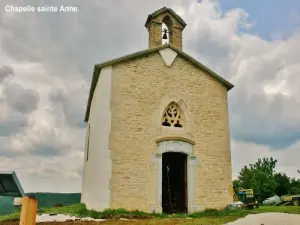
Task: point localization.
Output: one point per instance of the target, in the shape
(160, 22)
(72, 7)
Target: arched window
(173, 117)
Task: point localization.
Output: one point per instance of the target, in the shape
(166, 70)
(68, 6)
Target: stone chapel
(157, 129)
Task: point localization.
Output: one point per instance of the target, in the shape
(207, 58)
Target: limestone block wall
(140, 91)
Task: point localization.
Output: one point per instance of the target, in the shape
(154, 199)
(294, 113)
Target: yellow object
(28, 212)
(288, 198)
(247, 191)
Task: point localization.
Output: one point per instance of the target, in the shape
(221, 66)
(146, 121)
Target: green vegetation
(80, 210)
(10, 217)
(265, 181)
(226, 215)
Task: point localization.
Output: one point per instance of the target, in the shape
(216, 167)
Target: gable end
(97, 69)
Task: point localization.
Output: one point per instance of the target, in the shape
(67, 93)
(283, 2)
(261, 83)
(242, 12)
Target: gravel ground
(268, 219)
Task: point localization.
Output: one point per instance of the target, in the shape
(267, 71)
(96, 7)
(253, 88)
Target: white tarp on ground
(235, 205)
(268, 219)
(61, 218)
(272, 200)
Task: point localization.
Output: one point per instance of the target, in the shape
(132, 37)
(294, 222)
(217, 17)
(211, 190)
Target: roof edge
(91, 93)
(205, 68)
(162, 10)
(151, 50)
(132, 55)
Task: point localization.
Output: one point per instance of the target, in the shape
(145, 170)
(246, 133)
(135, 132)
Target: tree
(295, 186)
(260, 177)
(283, 184)
(298, 171)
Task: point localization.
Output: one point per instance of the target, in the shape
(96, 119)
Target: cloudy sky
(46, 63)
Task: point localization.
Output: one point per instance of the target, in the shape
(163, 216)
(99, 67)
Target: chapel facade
(157, 129)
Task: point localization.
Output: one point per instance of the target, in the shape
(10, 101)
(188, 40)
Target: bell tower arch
(174, 23)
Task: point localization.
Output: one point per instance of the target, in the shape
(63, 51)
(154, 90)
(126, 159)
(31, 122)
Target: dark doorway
(174, 182)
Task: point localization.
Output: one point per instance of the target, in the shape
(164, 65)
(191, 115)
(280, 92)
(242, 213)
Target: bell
(165, 36)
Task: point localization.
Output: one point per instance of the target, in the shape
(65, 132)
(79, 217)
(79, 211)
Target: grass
(9, 217)
(209, 216)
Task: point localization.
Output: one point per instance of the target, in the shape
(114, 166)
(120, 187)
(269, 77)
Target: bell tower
(172, 21)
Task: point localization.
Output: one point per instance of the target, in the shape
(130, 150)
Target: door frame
(192, 162)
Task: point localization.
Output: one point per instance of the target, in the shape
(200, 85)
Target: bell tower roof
(164, 10)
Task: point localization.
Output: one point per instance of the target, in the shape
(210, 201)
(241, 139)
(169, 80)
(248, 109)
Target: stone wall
(141, 89)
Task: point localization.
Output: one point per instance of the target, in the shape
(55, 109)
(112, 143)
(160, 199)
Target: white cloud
(245, 153)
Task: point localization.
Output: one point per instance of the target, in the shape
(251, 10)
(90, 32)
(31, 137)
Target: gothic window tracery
(173, 117)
